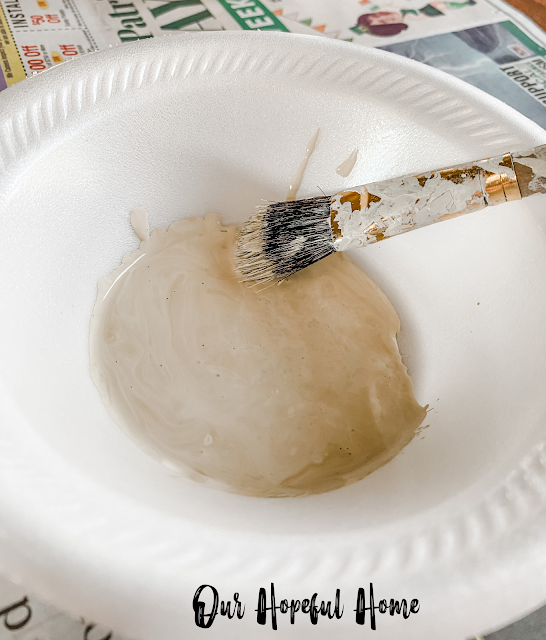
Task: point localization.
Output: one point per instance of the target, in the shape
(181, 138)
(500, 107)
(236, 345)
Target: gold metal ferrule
(500, 187)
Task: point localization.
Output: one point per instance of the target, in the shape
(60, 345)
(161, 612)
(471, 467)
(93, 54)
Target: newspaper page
(24, 617)
(484, 42)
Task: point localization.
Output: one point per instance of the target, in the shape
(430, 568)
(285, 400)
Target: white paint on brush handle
(395, 206)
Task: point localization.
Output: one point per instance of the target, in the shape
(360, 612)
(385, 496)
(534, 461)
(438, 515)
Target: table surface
(535, 9)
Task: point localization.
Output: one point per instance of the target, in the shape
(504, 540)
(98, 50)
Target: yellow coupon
(10, 63)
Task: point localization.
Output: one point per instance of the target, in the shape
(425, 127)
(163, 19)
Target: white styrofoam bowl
(217, 122)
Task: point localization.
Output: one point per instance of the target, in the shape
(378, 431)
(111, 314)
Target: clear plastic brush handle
(380, 210)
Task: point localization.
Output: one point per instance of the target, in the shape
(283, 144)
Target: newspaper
(484, 42)
(24, 617)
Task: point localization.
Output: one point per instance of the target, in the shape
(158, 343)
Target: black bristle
(283, 238)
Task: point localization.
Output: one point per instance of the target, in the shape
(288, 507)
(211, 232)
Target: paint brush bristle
(282, 238)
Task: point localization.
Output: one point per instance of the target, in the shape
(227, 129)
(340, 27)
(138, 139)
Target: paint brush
(282, 238)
